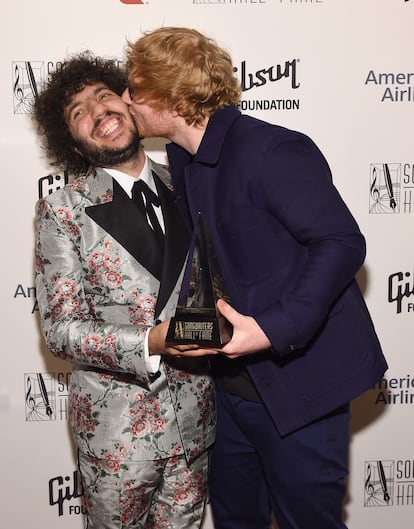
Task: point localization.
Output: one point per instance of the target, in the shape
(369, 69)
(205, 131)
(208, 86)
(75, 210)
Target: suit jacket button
(292, 347)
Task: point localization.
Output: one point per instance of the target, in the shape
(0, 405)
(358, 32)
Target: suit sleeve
(72, 327)
(298, 190)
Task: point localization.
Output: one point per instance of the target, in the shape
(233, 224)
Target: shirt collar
(126, 181)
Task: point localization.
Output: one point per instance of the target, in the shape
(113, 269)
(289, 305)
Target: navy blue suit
(289, 250)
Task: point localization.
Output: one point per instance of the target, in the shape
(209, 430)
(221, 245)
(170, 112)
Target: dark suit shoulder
(249, 135)
(248, 129)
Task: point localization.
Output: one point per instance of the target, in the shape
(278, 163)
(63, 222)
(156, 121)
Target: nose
(96, 108)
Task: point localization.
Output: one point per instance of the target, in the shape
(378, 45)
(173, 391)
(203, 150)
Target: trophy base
(202, 327)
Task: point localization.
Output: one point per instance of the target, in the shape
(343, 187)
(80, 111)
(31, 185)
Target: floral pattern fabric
(96, 303)
(163, 494)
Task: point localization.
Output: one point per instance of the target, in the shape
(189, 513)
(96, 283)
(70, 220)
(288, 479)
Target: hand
(248, 337)
(158, 345)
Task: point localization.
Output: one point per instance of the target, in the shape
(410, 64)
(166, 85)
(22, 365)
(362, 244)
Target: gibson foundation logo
(46, 396)
(285, 73)
(391, 188)
(401, 291)
(63, 489)
(389, 483)
(52, 182)
(270, 74)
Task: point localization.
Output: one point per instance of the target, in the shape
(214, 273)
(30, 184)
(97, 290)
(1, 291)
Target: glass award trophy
(197, 320)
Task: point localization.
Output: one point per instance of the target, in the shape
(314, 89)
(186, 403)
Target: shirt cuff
(152, 362)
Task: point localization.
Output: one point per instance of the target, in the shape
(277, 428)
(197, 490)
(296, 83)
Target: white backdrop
(338, 70)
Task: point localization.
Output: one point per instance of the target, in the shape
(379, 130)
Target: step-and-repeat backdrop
(340, 70)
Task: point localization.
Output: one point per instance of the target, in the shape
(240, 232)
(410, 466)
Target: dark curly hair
(76, 73)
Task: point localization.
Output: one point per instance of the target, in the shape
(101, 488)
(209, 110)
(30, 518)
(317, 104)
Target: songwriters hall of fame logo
(40, 397)
(389, 483)
(385, 180)
(46, 396)
(379, 483)
(27, 78)
(391, 188)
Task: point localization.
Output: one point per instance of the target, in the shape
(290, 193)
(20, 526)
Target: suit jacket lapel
(115, 212)
(124, 222)
(176, 243)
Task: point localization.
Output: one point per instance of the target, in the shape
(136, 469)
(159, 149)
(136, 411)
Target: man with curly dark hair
(109, 261)
(49, 107)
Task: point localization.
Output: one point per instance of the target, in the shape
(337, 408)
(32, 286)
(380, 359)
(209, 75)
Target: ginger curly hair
(182, 70)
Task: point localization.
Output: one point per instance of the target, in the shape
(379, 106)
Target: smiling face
(101, 126)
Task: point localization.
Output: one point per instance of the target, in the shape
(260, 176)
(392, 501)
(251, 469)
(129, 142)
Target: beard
(107, 157)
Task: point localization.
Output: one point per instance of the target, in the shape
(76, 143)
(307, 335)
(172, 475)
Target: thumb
(227, 311)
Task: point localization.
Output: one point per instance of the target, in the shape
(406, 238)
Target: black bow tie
(141, 187)
(145, 199)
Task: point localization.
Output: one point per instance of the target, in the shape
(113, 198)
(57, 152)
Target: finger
(187, 347)
(222, 304)
(227, 311)
(190, 353)
(231, 356)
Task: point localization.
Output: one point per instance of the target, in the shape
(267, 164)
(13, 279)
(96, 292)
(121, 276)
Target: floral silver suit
(96, 300)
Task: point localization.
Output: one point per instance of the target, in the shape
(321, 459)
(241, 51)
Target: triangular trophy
(197, 319)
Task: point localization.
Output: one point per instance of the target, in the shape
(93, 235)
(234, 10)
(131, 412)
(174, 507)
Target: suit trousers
(255, 472)
(165, 493)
